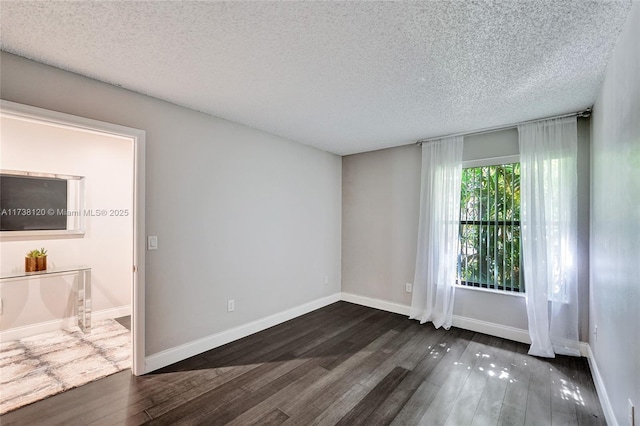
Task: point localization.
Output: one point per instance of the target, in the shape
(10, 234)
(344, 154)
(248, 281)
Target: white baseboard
(584, 349)
(18, 333)
(492, 329)
(178, 353)
(121, 311)
(600, 388)
(471, 324)
(383, 305)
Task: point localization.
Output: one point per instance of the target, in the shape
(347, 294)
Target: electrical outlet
(632, 420)
(231, 305)
(408, 287)
(326, 279)
(595, 333)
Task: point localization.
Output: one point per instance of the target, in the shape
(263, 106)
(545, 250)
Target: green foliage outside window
(490, 228)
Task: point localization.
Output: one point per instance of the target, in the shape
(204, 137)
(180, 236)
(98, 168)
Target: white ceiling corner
(344, 77)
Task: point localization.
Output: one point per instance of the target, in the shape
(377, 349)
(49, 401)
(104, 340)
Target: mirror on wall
(35, 204)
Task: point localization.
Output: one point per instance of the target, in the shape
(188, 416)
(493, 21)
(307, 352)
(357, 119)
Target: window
(489, 255)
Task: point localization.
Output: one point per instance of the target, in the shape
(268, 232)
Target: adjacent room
(336, 212)
(62, 178)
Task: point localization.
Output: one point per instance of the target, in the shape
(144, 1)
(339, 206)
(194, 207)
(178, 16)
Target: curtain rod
(585, 113)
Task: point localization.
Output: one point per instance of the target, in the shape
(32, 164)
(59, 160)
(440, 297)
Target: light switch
(152, 242)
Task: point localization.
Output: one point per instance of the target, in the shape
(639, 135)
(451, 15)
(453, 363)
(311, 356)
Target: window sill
(488, 290)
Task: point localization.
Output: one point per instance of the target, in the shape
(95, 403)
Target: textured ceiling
(345, 77)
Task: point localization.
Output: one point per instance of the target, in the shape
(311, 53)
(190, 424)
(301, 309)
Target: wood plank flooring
(340, 365)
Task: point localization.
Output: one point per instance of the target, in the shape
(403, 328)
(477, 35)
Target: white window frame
(492, 161)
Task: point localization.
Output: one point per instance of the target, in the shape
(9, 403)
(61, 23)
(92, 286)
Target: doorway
(135, 264)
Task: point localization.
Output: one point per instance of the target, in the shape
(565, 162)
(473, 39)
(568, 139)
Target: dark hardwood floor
(343, 364)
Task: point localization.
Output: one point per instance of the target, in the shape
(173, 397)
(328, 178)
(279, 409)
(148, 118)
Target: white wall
(380, 196)
(106, 162)
(615, 223)
(381, 192)
(239, 213)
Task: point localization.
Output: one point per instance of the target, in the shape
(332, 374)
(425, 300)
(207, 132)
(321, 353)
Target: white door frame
(138, 138)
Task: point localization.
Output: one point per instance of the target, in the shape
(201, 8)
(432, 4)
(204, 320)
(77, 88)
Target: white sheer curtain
(436, 260)
(548, 151)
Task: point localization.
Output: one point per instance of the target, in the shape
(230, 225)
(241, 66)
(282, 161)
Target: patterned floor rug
(37, 367)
